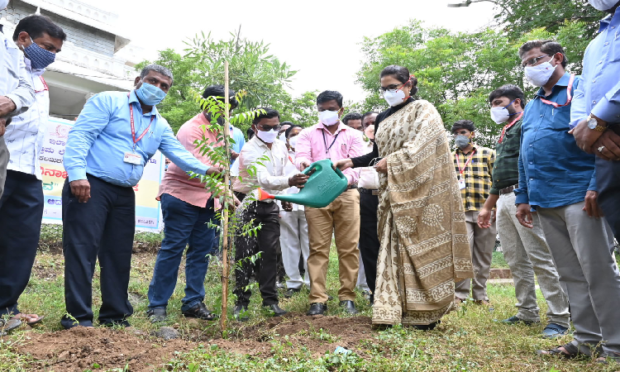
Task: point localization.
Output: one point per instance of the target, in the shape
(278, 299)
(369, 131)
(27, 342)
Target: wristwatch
(596, 124)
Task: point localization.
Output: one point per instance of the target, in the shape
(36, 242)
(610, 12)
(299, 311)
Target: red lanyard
(569, 96)
(133, 128)
(501, 138)
(458, 161)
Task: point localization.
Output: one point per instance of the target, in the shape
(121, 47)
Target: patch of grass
(499, 262)
(469, 339)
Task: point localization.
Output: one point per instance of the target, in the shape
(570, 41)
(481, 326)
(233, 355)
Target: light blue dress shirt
(599, 91)
(553, 170)
(102, 135)
(239, 138)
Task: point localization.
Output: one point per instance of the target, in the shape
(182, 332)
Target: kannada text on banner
(148, 214)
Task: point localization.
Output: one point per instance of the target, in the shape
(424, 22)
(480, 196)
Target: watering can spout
(264, 195)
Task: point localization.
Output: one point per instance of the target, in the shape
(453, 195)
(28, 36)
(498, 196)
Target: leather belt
(508, 190)
(368, 191)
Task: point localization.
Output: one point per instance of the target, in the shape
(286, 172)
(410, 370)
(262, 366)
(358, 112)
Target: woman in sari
(424, 245)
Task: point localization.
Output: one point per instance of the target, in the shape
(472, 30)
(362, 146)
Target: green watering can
(323, 186)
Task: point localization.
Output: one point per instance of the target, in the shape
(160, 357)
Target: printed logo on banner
(148, 213)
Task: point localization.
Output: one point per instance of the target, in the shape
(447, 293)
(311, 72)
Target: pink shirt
(315, 143)
(178, 183)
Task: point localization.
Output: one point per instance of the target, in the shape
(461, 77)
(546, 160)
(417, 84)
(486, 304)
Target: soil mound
(84, 348)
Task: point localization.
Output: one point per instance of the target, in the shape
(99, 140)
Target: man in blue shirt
(557, 180)
(107, 149)
(595, 114)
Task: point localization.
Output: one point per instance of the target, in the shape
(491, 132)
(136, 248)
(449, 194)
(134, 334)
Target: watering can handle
(339, 173)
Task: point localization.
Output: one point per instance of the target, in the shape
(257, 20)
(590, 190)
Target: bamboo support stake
(227, 200)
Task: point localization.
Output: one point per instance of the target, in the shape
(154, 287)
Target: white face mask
(394, 97)
(292, 142)
(603, 5)
(499, 115)
(539, 75)
(268, 136)
(282, 137)
(328, 118)
(4, 4)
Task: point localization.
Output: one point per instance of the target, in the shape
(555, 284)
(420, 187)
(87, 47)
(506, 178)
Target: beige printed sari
(424, 244)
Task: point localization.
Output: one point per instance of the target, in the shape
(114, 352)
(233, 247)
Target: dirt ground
(82, 348)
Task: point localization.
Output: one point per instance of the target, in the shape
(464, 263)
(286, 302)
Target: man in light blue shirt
(595, 112)
(107, 149)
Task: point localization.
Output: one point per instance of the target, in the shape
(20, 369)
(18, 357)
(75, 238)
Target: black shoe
(349, 307)
(277, 311)
(199, 311)
(291, 292)
(240, 309)
(157, 314)
(317, 309)
(428, 327)
(114, 323)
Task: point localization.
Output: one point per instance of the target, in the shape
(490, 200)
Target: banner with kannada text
(148, 213)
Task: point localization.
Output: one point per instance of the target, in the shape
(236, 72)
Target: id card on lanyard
(132, 157)
(462, 184)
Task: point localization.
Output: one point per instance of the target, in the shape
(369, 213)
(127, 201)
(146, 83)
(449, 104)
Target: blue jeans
(184, 224)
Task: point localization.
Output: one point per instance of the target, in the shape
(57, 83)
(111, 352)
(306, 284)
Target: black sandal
(573, 350)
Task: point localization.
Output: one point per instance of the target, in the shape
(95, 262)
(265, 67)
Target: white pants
(294, 243)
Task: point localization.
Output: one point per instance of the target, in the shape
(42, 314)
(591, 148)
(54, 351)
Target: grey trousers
(4, 162)
(527, 253)
(295, 244)
(580, 248)
(481, 242)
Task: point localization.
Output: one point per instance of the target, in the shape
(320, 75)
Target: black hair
(351, 116)
(401, 74)
(330, 95)
(549, 47)
(265, 113)
(217, 91)
(250, 133)
(463, 124)
(509, 91)
(368, 114)
(289, 130)
(36, 26)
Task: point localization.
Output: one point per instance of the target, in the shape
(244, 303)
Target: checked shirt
(477, 175)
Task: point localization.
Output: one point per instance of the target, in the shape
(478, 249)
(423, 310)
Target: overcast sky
(319, 38)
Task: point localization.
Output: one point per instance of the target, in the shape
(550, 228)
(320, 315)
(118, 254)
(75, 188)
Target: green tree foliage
(519, 17)
(262, 77)
(457, 71)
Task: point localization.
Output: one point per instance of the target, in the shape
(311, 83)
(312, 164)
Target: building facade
(94, 58)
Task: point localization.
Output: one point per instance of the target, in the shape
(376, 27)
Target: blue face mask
(150, 95)
(39, 57)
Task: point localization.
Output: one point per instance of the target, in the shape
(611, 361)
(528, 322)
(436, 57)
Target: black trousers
(369, 240)
(101, 228)
(266, 242)
(608, 183)
(21, 211)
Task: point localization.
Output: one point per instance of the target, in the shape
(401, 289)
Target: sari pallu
(424, 243)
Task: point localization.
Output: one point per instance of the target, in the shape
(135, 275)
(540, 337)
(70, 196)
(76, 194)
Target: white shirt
(290, 170)
(13, 76)
(269, 163)
(24, 137)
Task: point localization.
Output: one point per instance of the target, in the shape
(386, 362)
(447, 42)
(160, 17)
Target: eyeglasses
(533, 61)
(267, 128)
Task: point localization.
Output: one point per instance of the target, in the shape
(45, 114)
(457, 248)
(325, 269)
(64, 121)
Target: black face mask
(220, 120)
